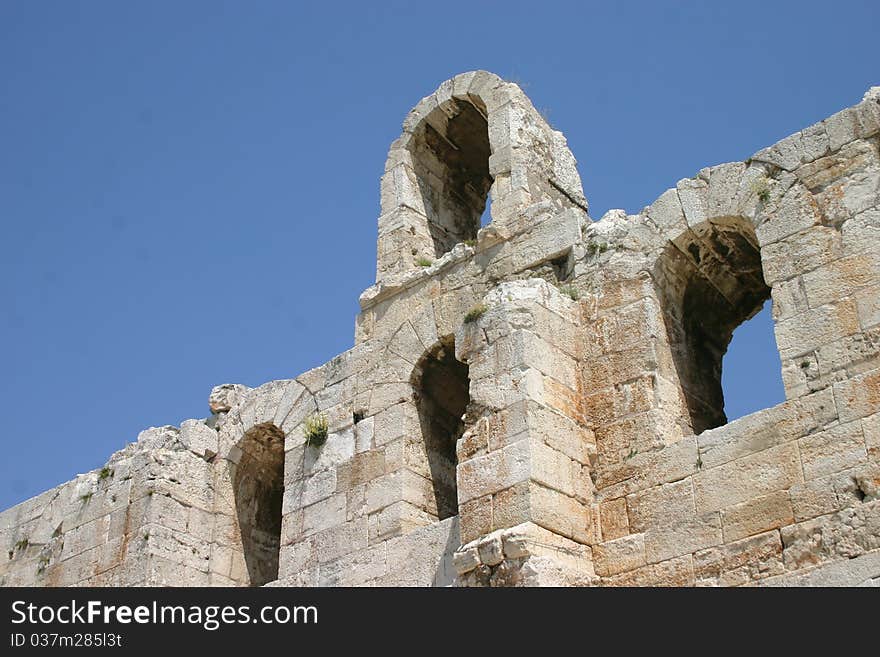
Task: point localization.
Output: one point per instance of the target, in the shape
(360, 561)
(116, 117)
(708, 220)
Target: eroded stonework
(537, 401)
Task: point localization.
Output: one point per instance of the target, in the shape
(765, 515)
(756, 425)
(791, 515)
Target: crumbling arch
(258, 487)
(476, 139)
(709, 280)
(441, 389)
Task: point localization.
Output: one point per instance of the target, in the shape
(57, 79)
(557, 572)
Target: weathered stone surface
(536, 401)
(757, 515)
(774, 469)
(619, 555)
(849, 533)
(224, 397)
(740, 562)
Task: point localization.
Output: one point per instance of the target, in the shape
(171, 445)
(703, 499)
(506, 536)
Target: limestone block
(848, 533)
(757, 515)
(868, 307)
(296, 557)
(224, 397)
(740, 562)
(198, 437)
(291, 395)
(768, 428)
(841, 128)
(620, 555)
(841, 278)
(724, 182)
(803, 333)
(833, 450)
(799, 253)
(672, 572)
(355, 569)
(796, 211)
(850, 572)
(549, 238)
(341, 540)
(813, 498)
(563, 515)
(871, 431)
(859, 396)
(667, 213)
(475, 517)
(774, 469)
(861, 232)
(694, 197)
(682, 537)
(787, 153)
(337, 449)
(490, 551)
(493, 472)
(614, 520)
(648, 469)
(325, 514)
(423, 557)
(361, 468)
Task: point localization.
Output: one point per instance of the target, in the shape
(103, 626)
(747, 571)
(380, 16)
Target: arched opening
(442, 394)
(259, 489)
(450, 155)
(710, 281)
(751, 376)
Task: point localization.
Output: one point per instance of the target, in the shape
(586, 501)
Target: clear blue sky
(189, 190)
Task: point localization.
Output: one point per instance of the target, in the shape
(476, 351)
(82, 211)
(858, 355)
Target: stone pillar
(524, 489)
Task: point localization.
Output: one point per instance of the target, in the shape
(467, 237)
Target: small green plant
(699, 461)
(86, 497)
(761, 187)
(632, 453)
(150, 492)
(424, 262)
(471, 243)
(593, 248)
(22, 544)
(146, 536)
(105, 473)
(570, 291)
(805, 365)
(475, 313)
(315, 429)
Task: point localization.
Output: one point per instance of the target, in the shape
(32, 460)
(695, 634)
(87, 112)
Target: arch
(474, 138)
(258, 487)
(451, 164)
(442, 394)
(709, 280)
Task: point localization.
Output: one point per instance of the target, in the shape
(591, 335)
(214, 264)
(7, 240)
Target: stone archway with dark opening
(450, 156)
(442, 393)
(259, 490)
(710, 281)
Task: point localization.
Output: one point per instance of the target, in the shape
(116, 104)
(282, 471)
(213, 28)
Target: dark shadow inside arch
(710, 281)
(450, 153)
(442, 394)
(259, 490)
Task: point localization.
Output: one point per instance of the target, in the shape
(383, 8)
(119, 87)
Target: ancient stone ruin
(536, 401)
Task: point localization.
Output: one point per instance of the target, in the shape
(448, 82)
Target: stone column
(525, 494)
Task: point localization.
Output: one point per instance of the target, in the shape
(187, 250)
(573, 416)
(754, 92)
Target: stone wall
(538, 401)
